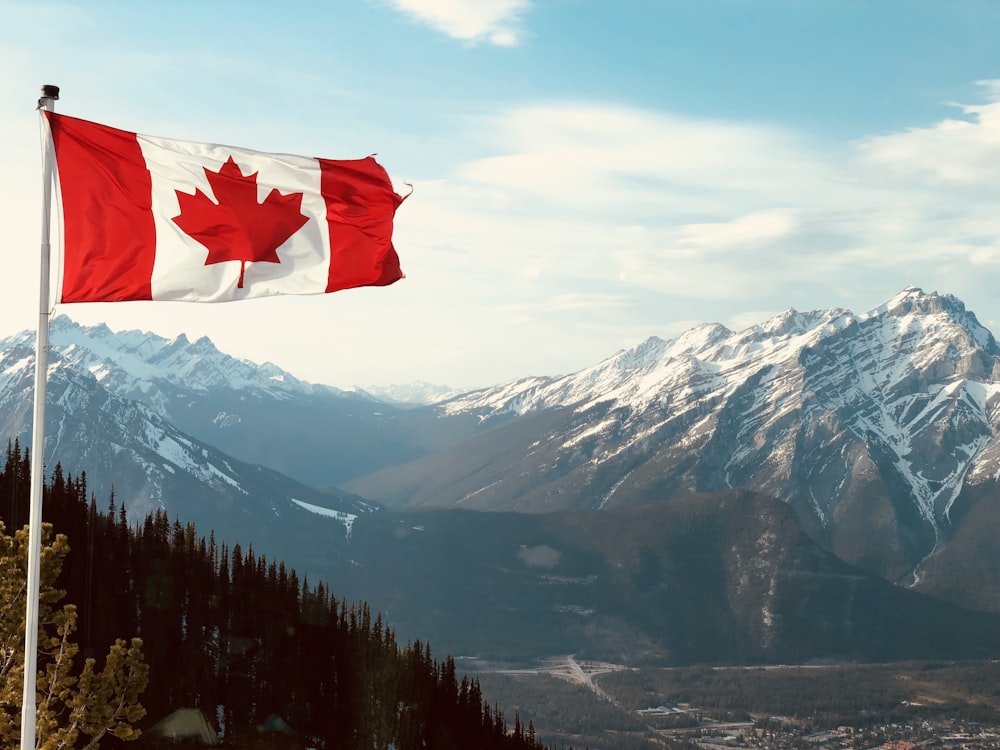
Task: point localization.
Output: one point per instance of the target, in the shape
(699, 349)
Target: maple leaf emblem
(238, 227)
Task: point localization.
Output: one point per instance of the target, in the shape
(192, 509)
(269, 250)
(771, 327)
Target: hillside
(243, 639)
(723, 578)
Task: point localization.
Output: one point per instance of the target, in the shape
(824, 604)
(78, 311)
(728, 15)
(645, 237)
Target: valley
(951, 704)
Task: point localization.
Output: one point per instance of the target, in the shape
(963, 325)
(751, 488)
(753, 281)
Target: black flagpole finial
(49, 93)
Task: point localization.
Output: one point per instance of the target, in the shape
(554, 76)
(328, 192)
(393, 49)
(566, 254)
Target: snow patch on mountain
(187, 457)
(517, 397)
(347, 519)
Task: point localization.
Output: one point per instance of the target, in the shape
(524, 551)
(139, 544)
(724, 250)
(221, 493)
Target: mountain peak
(911, 298)
(204, 345)
(789, 322)
(913, 301)
(699, 338)
(63, 323)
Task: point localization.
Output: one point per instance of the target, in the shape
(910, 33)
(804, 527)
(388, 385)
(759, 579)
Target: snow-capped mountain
(257, 413)
(141, 365)
(417, 393)
(109, 406)
(870, 425)
(880, 429)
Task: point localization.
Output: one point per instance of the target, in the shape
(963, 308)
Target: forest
(822, 695)
(242, 639)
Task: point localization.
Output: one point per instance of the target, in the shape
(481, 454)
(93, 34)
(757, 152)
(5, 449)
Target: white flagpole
(28, 702)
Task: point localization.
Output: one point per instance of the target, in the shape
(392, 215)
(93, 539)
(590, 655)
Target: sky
(586, 174)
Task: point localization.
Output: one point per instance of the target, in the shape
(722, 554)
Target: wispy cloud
(750, 229)
(960, 151)
(692, 219)
(495, 22)
(590, 302)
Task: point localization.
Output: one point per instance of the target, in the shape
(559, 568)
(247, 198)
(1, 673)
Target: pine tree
(107, 702)
(73, 710)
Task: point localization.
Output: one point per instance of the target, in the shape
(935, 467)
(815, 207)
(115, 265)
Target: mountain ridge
(867, 424)
(879, 429)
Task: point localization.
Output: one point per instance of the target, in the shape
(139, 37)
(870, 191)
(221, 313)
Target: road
(568, 668)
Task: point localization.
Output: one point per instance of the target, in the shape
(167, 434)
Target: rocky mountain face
(871, 426)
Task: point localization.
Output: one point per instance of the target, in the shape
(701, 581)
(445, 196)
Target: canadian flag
(149, 218)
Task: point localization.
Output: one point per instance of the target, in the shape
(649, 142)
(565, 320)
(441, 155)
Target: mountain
(878, 430)
(417, 393)
(871, 426)
(323, 434)
(129, 446)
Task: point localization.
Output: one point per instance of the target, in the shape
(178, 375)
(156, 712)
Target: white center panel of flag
(180, 271)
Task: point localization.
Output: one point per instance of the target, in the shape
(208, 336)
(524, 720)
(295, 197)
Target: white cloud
(683, 219)
(611, 194)
(496, 22)
(750, 229)
(595, 156)
(581, 301)
(958, 151)
(575, 302)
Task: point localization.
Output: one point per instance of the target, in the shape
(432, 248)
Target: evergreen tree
(73, 709)
(230, 629)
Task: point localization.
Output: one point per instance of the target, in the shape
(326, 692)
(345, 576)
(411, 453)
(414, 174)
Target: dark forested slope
(242, 638)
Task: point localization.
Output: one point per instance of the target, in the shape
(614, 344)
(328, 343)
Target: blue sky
(586, 174)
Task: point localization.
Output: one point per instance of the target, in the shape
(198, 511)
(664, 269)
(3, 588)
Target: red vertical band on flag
(108, 233)
(360, 207)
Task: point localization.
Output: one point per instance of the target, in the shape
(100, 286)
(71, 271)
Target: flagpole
(28, 702)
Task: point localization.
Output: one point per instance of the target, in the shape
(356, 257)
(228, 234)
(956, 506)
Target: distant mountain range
(880, 429)
(414, 394)
(877, 431)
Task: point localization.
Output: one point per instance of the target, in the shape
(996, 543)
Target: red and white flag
(148, 218)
